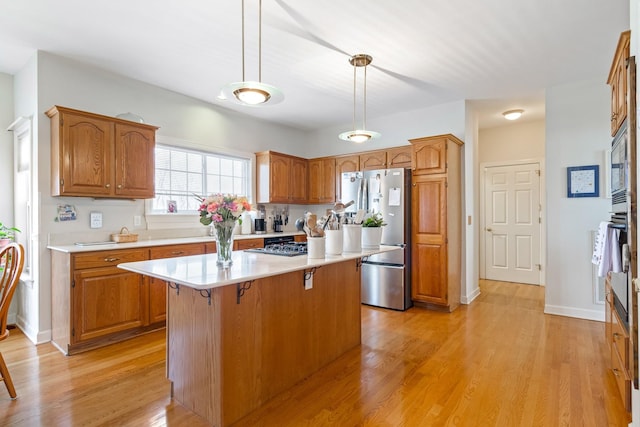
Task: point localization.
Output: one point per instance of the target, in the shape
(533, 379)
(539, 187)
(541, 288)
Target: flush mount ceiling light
(512, 114)
(359, 135)
(252, 93)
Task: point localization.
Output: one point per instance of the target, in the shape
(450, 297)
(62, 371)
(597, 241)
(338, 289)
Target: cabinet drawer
(622, 377)
(243, 244)
(177, 250)
(619, 339)
(108, 258)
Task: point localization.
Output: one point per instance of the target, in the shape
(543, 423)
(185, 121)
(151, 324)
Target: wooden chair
(11, 263)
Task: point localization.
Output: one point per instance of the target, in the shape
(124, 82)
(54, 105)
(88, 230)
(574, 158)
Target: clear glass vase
(224, 242)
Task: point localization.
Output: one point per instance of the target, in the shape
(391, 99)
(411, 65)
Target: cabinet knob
(119, 186)
(107, 186)
(616, 336)
(111, 259)
(616, 372)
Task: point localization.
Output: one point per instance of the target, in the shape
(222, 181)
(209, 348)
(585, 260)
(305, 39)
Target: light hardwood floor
(497, 362)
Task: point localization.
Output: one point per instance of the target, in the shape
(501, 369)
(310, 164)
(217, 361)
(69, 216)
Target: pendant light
(252, 93)
(359, 135)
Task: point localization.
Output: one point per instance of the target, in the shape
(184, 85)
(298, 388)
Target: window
(22, 193)
(182, 174)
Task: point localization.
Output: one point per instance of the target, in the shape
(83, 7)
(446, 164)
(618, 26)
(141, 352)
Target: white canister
(246, 223)
(334, 242)
(315, 247)
(352, 238)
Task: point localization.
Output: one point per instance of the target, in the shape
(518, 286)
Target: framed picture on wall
(583, 181)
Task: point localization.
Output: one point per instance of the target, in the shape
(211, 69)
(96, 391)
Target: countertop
(106, 246)
(201, 271)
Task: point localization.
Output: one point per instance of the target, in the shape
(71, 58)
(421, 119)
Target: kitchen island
(237, 337)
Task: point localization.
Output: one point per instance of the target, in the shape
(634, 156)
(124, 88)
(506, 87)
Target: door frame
(482, 223)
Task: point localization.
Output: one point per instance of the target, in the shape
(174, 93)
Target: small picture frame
(172, 206)
(583, 181)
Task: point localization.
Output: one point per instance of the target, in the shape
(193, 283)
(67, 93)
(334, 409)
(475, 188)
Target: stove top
(282, 249)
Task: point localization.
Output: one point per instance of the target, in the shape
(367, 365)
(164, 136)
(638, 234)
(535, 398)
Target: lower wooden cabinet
(617, 338)
(106, 301)
(93, 301)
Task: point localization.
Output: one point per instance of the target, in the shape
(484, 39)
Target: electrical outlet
(137, 220)
(96, 220)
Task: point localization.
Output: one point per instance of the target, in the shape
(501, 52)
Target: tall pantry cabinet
(436, 222)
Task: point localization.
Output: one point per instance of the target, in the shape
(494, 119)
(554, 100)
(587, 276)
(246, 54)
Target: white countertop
(106, 246)
(201, 271)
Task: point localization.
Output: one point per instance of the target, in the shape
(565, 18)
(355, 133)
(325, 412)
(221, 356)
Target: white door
(512, 223)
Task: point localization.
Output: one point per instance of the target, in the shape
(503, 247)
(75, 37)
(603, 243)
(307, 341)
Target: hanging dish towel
(606, 250)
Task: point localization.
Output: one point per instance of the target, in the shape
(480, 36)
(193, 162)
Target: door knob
(489, 229)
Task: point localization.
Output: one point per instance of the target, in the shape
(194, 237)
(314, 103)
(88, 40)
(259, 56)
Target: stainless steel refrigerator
(386, 277)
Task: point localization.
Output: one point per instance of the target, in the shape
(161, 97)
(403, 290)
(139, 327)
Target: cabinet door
(85, 155)
(134, 157)
(399, 157)
(322, 175)
(298, 183)
(430, 157)
(105, 301)
(373, 160)
(315, 180)
(279, 178)
(429, 240)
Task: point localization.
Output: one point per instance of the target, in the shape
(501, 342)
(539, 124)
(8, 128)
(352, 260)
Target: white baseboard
(469, 299)
(579, 313)
(35, 336)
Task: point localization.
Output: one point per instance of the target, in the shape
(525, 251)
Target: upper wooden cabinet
(430, 154)
(398, 157)
(281, 178)
(100, 156)
(618, 82)
(322, 180)
(373, 160)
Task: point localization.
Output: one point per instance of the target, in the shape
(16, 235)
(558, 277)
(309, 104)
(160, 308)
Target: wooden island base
(231, 356)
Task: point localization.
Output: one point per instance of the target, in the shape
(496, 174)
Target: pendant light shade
(359, 135)
(252, 93)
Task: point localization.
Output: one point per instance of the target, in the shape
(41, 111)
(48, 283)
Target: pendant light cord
(364, 100)
(243, 79)
(259, 42)
(354, 96)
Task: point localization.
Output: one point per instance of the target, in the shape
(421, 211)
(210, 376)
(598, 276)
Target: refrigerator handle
(359, 197)
(365, 194)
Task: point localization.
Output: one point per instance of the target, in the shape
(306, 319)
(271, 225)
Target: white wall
(577, 134)
(514, 141)
(6, 147)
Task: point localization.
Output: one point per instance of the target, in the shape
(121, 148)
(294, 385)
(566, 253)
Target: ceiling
(499, 54)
